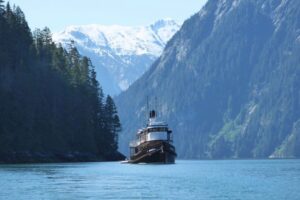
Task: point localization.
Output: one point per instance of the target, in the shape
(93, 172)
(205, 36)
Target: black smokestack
(152, 114)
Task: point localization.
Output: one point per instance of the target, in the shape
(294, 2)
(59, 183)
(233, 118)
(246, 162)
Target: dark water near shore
(229, 179)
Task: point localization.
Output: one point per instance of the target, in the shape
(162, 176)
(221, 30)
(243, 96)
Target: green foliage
(51, 105)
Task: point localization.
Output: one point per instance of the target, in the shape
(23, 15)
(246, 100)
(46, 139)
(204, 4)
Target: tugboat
(153, 144)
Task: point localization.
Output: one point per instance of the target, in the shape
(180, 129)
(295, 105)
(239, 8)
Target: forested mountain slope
(52, 108)
(228, 82)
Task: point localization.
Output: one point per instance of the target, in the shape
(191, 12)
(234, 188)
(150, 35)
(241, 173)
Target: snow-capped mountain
(121, 54)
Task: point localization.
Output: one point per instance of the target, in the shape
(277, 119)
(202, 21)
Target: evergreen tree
(1, 7)
(84, 71)
(112, 120)
(74, 59)
(8, 13)
(3, 29)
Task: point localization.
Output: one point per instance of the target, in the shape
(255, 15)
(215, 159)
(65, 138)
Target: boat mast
(147, 110)
(155, 107)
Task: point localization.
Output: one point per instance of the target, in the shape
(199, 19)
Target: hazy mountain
(228, 82)
(121, 54)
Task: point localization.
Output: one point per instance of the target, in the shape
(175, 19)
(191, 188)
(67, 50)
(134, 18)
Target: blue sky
(57, 14)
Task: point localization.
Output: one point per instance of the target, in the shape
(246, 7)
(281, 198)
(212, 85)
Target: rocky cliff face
(121, 54)
(228, 82)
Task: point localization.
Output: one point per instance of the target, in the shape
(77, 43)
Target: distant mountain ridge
(228, 82)
(121, 54)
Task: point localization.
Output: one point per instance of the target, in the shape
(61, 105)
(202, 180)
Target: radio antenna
(156, 108)
(147, 110)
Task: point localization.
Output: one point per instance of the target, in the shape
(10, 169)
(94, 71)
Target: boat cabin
(155, 130)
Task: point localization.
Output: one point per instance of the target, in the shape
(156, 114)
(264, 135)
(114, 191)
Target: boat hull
(154, 152)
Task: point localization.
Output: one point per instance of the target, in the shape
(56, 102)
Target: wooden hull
(154, 152)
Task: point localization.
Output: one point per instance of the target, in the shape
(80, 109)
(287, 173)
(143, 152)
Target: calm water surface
(230, 179)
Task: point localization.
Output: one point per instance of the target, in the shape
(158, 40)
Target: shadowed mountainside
(228, 82)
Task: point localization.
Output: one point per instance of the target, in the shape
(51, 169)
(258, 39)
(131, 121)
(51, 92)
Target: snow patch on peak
(298, 39)
(224, 7)
(235, 3)
(167, 22)
(202, 12)
(123, 40)
(279, 14)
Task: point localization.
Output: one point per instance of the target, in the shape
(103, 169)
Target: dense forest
(52, 108)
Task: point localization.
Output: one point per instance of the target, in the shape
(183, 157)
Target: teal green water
(229, 179)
